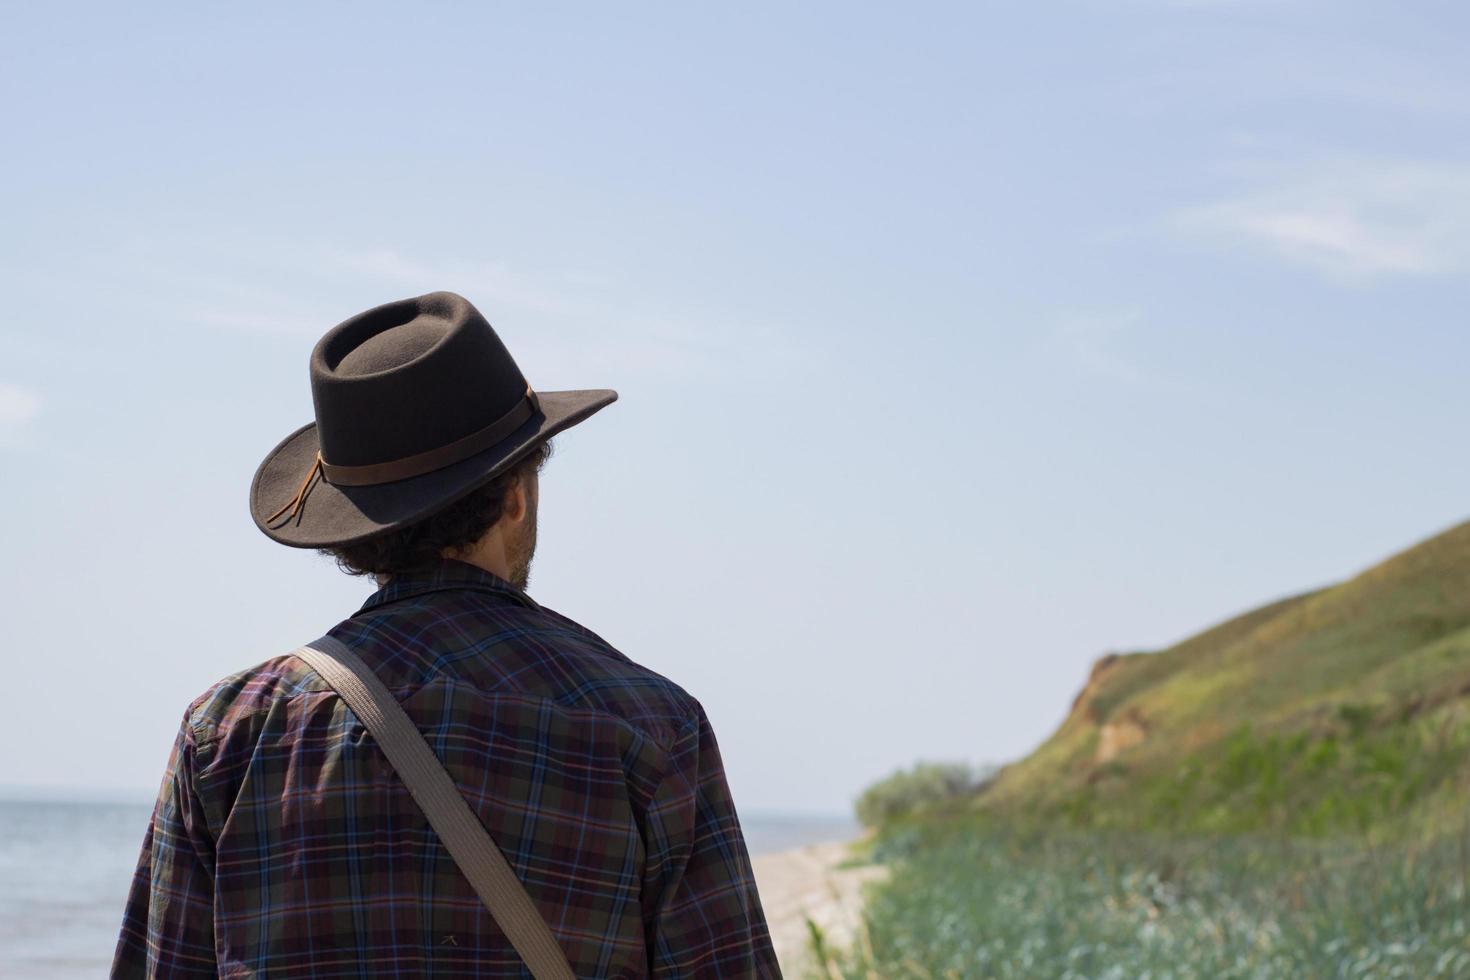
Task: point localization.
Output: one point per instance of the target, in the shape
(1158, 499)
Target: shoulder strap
(451, 817)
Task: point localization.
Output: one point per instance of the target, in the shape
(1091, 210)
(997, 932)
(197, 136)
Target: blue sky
(956, 345)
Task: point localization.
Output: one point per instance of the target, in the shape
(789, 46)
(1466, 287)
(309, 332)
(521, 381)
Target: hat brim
(333, 515)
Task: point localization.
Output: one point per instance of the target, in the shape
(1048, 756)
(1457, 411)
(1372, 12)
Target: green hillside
(1346, 709)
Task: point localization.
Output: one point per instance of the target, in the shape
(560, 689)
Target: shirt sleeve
(168, 922)
(702, 913)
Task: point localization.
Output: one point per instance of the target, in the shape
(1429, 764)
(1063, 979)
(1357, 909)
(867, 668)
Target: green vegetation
(924, 788)
(1282, 796)
(971, 898)
(1358, 773)
(1344, 710)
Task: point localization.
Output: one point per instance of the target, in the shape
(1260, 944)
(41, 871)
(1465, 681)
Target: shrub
(911, 791)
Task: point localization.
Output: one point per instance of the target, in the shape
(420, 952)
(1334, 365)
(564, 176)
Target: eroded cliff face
(1117, 733)
(1120, 734)
(1083, 707)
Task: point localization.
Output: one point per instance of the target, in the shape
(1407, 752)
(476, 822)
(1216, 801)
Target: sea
(65, 869)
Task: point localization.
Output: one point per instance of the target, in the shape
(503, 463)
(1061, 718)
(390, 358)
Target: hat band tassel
(294, 504)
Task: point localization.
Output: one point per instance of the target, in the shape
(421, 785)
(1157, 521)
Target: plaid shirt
(284, 845)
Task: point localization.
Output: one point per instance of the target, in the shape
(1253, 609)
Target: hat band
(371, 474)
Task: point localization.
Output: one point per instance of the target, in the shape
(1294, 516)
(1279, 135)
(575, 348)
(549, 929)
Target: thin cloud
(570, 324)
(1090, 342)
(1350, 222)
(18, 407)
(1117, 347)
(259, 322)
(486, 281)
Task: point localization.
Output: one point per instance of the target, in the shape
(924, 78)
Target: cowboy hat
(417, 403)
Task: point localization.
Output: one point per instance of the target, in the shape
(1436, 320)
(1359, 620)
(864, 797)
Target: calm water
(65, 868)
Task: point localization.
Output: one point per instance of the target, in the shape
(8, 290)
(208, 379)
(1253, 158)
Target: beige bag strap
(451, 817)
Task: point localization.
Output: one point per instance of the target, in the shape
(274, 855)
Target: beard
(521, 550)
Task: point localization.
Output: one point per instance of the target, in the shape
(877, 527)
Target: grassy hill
(1345, 709)
(1286, 795)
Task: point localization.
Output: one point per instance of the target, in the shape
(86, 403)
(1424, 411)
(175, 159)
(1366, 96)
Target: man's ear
(516, 500)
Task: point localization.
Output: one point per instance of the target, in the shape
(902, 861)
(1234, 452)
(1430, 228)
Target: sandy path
(805, 881)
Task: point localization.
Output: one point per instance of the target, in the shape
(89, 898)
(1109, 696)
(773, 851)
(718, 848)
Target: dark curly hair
(418, 546)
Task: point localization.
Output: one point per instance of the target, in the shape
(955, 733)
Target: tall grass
(979, 898)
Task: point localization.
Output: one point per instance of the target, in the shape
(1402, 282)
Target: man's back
(284, 845)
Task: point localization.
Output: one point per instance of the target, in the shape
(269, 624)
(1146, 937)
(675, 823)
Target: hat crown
(408, 377)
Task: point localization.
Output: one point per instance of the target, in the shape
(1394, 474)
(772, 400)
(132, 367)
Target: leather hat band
(370, 474)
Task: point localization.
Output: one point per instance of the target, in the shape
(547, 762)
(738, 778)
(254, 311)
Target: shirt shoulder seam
(203, 730)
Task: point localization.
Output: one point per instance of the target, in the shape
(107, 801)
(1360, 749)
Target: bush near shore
(923, 788)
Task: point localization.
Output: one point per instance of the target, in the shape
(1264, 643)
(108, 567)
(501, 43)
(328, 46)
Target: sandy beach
(806, 882)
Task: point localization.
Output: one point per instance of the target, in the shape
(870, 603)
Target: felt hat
(417, 404)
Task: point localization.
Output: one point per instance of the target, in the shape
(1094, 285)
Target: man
(283, 844)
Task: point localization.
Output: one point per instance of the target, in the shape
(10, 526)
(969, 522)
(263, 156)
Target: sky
(956, 345)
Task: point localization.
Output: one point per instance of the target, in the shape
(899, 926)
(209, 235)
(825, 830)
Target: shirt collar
(450, 573)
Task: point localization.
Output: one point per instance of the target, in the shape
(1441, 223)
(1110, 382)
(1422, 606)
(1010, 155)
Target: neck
(488, 553)
(482, 555)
